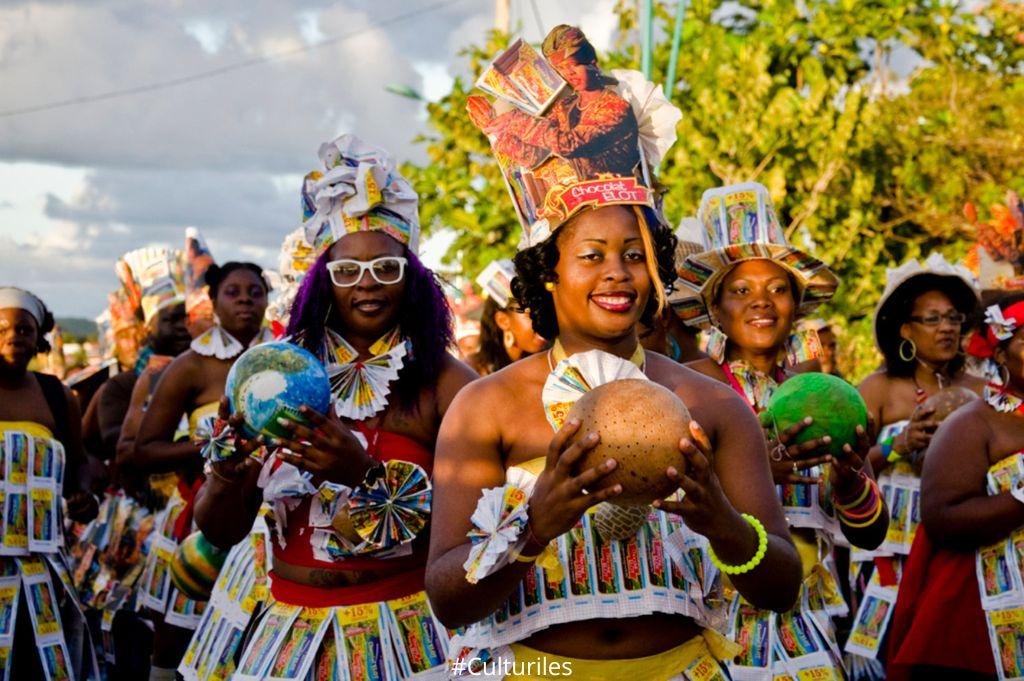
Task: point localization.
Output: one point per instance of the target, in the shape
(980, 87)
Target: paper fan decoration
(395, 508)
(216, 440)
(656, 117)
(216, 342)
(580, 374)
(361, 388)
(498, 523)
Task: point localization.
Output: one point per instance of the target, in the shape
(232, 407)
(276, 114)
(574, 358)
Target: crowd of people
(448, 515)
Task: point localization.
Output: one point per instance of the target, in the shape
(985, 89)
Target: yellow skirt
(697, 660)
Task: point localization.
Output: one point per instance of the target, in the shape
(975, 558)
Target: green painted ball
(835, 405)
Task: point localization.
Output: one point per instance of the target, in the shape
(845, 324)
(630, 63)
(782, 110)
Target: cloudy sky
(83, 183)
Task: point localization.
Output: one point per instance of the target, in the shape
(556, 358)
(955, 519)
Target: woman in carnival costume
(960, 610)
(516, 556)
(918, 328)
(150, 304)
(351, 495)
(191, 386)
(40, 438)
(506, 332)
(749, 287)
(109, 552)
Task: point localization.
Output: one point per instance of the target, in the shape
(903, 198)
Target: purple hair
(424, 318)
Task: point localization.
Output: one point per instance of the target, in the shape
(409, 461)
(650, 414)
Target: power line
(213, 73)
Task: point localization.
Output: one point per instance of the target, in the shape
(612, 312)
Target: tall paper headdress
(294, 260)
(566, 135)
(157, 279)
(740, 224)
(198, 259)
(997, 259)
(360, 190)
(496, 281)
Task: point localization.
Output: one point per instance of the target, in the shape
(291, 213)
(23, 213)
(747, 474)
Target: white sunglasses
(387, 270)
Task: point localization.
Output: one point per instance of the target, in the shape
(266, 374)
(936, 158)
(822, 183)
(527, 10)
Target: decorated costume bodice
(1000, 582)
(308, 538)
(32, 473)
(662, 566)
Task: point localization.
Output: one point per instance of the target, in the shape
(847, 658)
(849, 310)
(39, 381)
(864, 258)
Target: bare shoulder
(974, 419)
(710, 399)
(455, 372)
(708, 367)
(875, 384)
(972, 383)
(875, 389)
(506, 387)
(454, 377)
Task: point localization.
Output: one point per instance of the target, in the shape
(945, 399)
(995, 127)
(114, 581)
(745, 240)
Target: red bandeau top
(382, 446)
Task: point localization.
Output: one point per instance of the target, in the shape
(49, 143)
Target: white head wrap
(11, 296)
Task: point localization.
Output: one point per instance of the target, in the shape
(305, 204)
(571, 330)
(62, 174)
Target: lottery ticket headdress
(936, 273)
(294, 259)
(154, 277)
(997, 258)
(568, 136)
(359, 190)
(496, 281)
(740, 224)
(197, 259)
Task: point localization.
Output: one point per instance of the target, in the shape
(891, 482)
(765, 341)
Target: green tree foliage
(867, 167)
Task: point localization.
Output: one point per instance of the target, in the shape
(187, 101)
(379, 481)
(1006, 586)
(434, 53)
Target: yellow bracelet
(527, 559)
(860, 498)
(762, 548)
(866, 523)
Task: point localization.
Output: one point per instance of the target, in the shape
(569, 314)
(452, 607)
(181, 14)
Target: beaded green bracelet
(762, 548)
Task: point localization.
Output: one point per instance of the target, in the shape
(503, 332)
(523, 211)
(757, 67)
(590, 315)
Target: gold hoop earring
(1004, 375)
(913, 350)
(549, 286)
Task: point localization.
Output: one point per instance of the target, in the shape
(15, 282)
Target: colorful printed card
(299, 648)
(43, 517)
(364, 643)
(423, 643)
(872, 621)
(266, 641)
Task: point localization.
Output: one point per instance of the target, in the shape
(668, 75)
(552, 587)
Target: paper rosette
(579, 374)
(395, 508)
(284, 486)
(361, 388)
(498, 523)
(216, 342)
(216, 440)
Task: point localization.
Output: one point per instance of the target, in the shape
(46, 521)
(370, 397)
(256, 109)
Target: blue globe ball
(272, 381)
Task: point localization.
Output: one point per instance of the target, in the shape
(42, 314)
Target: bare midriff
(326, 578)
(614, 639)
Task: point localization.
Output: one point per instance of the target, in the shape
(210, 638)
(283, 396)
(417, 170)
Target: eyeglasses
(954, 318)
(386, 270)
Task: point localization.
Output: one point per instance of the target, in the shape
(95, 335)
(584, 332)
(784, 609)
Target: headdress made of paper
(496, 281)
(566, 135)
(997, 258)
(294, 259)
(739, 224)
(360, 190)
(197, 260)
(156, 279)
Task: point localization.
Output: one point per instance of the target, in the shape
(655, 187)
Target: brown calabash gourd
(640, 424)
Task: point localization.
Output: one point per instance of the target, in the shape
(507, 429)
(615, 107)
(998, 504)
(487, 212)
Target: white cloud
(82, 184)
